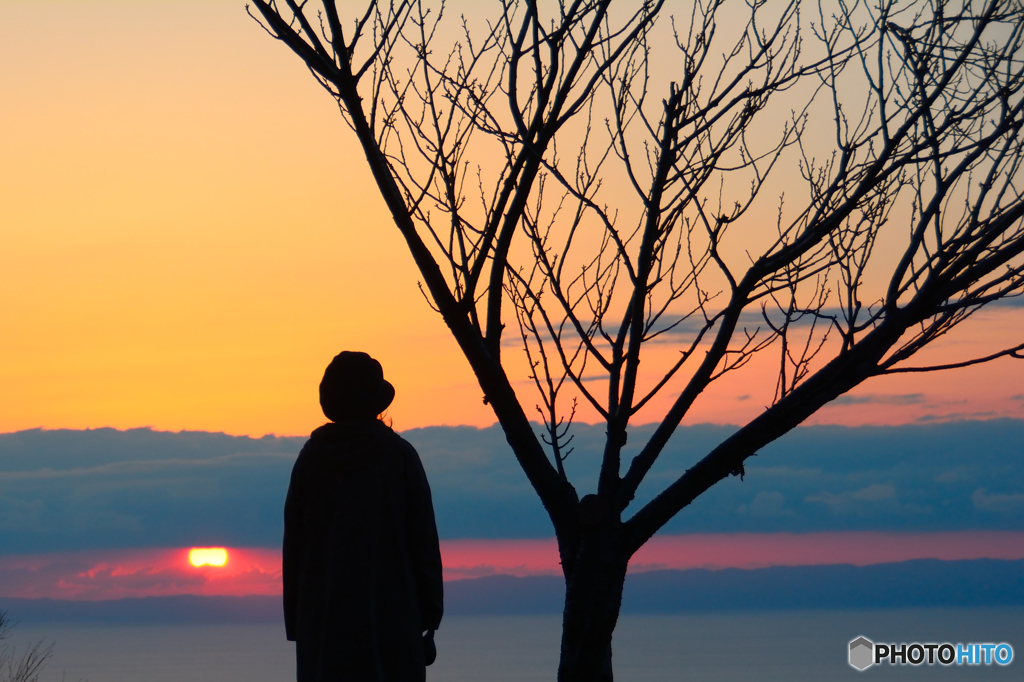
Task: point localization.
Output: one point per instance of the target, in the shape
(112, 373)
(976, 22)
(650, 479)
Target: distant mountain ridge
(919, 583)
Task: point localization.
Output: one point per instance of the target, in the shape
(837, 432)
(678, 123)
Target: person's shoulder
(356, 434)
(328, 431)
(397, 439)
(323, 441)
(334, 434)
(320, 439)
(410, 458)
(393, 440)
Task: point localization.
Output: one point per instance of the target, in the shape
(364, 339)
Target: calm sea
(755, 645)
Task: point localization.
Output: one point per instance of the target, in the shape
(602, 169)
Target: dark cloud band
(77, 490)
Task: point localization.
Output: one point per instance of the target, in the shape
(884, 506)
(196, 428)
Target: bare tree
(25, 668)
(836, 183)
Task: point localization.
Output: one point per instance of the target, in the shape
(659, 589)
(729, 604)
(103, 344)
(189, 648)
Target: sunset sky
(118, 574)
(102, 514)
(188, 234)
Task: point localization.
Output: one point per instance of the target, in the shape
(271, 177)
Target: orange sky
(187, 236)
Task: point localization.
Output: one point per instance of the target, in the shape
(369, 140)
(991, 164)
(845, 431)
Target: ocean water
(748, 645)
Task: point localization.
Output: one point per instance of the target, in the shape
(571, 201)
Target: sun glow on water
(208, 556)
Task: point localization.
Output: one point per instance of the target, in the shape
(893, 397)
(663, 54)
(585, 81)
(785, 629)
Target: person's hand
(429, 648)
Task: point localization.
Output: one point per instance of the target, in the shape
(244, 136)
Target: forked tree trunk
(593, 596)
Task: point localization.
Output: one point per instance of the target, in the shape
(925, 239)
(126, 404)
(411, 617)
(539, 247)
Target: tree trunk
(593, 595)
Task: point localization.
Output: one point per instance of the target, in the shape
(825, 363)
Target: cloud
(955, 416)
(138, 573)
(750, 320)
(1015, 301)
(62, 490)
(163, 572)
(82, 490)
(673, 329)
(997, 502)
(880, 399)
(850, 500)
(768, 503)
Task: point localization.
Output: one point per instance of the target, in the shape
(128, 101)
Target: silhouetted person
(362, 566)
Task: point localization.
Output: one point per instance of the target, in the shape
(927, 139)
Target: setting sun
(208, 556)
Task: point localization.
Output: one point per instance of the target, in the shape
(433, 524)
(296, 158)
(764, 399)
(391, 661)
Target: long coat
(362, 566)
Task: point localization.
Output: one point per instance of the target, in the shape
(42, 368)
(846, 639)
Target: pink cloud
(754, 550)
(257, 571)
(138, 573)
(477, 558)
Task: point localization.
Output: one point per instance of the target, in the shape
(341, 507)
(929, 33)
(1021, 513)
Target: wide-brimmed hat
(354, 386)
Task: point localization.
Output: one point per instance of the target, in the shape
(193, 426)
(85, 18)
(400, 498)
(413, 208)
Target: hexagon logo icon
(862, 653)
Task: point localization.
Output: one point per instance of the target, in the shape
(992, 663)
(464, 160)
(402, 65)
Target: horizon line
(923, 423)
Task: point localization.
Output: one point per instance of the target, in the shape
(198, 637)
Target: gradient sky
(187, 235)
